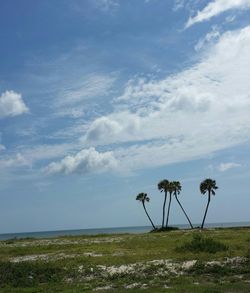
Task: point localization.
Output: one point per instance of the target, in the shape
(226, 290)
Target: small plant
(200, 243)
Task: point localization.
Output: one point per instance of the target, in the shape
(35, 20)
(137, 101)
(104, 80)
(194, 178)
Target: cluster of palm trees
(173, 189)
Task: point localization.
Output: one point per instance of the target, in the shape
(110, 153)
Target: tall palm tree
(143, 197)
(163, 186)
(170, 190)
(177, 190)
(207, 186)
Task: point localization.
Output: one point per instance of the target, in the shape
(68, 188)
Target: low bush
(200, 243)
(164, 229)
(27, 274)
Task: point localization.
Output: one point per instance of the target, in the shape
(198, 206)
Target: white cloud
(178, 4)
(226, 166)
(215, 8)
(28, 156)
(114, 128)
(17, 160)
(75, 112)
(11, 104)
(230, 18)
(85, 161)
(45, 152)
(188, 115)
(93, 85)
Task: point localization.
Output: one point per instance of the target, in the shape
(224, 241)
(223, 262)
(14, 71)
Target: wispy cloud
(107, 5)
(12, 104)
(227, 166)
(2, 147)
(17, 160)
(215, 8)
(30, 155)
(154, 122)
(178, 4)
(46, 151)
(187, 115)
(208, 39)
(93, 85)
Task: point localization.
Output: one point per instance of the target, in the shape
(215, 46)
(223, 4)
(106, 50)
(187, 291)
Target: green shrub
(165, 229)
(27, 274)
(200, 243)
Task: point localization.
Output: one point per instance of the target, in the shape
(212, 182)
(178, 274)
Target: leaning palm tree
(163, 186)
(143, 197)
(177, 190)
(207, 186)
(170, 190)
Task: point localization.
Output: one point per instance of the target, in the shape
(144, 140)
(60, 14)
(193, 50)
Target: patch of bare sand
(58, 241)
(52, 256)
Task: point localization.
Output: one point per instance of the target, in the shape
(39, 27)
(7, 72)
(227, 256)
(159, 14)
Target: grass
(215, 260)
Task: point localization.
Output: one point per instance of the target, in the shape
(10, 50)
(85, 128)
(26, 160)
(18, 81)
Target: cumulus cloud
(215, 8)
(188, 115)
(226, 166)
(85, 161)
(12, 104)
(114, 128)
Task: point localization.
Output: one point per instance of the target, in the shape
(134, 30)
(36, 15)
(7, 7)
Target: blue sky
(101, 99)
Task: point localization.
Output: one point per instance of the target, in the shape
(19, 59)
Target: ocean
(115, 230)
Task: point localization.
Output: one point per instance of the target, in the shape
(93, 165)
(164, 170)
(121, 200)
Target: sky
(102, 99)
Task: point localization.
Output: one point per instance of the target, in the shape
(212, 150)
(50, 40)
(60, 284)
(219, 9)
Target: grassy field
(214, 260)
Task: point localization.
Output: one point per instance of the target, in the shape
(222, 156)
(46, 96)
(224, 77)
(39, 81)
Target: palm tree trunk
(148, 215)
(202, 225)
(164, 204)
(170, 199)
(184, 212)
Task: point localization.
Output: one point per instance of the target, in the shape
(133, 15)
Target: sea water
(114, 230)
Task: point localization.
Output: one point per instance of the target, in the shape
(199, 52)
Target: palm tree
(177, 190)
(143, 197)
(163, 186)
(209, 186)
(170, 190)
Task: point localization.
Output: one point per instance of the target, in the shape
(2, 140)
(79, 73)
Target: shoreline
(113, 231)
